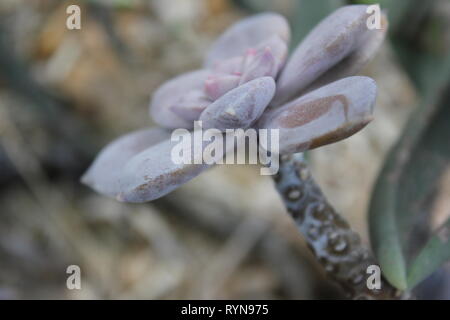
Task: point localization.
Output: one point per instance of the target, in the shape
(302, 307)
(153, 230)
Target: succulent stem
(336, 246)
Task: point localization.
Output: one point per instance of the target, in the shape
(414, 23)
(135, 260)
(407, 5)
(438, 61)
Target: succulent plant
(247, 81)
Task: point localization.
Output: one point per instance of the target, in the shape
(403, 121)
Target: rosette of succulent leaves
(248, 81)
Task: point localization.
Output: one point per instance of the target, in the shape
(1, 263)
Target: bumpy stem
(337, 248)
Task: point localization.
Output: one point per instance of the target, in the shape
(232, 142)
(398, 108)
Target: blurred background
(65, 93)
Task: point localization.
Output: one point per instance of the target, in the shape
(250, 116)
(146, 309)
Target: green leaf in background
(433, 255)
(402, 203)
(401, 209)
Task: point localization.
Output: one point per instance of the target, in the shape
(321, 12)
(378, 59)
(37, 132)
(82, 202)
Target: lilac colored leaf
(355, 61)
(217, 85)
(191, 105)
(153, 173)
(264, 61)
(247, 33)
(262, 65)
(103, 174)
(326, 115)
(240, 107)
(231, 66)
(174, 95)
(342, 34)
(278, 47)
(234, 91)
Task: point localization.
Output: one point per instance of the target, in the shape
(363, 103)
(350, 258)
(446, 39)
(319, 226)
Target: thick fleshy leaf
(341, 37)
(103, 175)
(175, 95)
(264, 61)
(238, 65)
(154, 172)
(323, 116)
(240, 107)
(231, 66)
(355, 61)
(247, 33)
(191, 105)
(218, 84)
(262, 65)
(278, 47)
